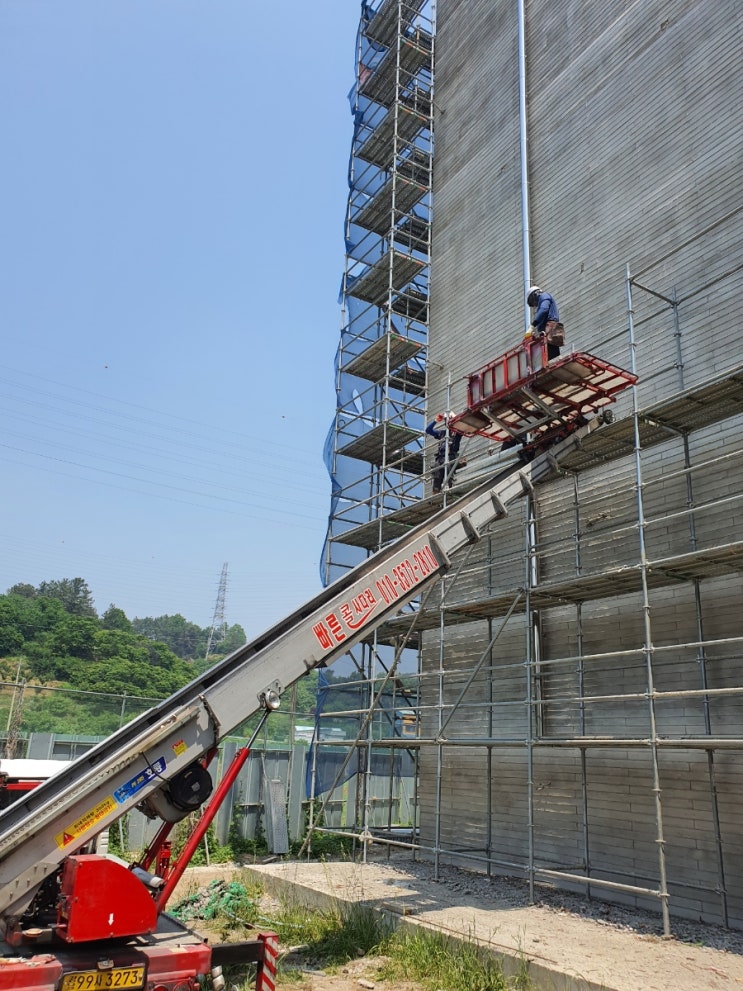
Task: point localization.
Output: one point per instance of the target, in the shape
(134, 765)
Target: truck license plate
(101, 980)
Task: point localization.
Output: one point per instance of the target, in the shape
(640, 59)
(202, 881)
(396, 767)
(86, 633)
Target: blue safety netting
(359, 493)
(384, 313)
(330, 767)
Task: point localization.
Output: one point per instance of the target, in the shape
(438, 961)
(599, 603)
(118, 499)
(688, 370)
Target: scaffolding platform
(373, 533)
(383, 26)
(387, 359)
(399, 192)
(411, 304)
(383, 357)
(395, 524)
(710, 402)
(398, 68)
(400, 126)
(523, 396)
(374, 284)
(413, 233)
(711, 562)
(385, 445)
(409, 380)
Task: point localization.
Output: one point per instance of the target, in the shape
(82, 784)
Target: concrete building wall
(634, 127)
(635, 124)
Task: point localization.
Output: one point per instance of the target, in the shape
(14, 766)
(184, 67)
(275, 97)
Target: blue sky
(172, 195)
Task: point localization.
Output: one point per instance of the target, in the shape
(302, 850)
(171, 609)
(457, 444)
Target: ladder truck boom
(71, 920)
(139, 763)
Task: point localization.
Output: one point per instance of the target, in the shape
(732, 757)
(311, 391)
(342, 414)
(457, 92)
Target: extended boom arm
(142, 760)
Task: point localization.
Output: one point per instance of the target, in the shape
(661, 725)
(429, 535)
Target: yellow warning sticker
(91, 818)
(180, 747)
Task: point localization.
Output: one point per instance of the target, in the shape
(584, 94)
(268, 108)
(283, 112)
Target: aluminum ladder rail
(64, 813)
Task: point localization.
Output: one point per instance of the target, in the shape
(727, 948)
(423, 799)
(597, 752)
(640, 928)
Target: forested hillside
(51, 635)
(67, 670)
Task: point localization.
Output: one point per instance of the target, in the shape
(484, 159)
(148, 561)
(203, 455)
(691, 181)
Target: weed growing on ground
(435, 962)
(328, 940)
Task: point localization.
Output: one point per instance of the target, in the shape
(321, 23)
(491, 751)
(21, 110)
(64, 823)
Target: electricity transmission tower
(219, 626)
(15, 715)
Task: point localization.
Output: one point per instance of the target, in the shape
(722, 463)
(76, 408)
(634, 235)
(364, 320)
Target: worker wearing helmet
(447, 458)
(546, 318)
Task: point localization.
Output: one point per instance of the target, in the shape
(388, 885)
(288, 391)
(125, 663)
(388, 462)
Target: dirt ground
(361, 974)
(568, 942)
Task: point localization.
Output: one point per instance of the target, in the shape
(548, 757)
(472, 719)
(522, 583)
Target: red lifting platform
(523, 396)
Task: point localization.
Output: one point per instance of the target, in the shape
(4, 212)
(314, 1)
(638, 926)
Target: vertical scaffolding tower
(374, 451)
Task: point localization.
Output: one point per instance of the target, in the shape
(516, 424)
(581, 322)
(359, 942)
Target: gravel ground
(568, 941)
(516, 893)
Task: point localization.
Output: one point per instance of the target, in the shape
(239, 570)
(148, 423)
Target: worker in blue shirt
(446, 462)
(546, 318)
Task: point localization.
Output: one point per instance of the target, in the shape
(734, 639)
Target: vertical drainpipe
(525, 246)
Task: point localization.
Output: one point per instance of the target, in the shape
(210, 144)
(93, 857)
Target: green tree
(59, 640)
(185, 639)
(116, 619)
(124, 645)
(74, 636)
(47, 664)
(306, 689)
(120, 675)
(73, 593)
(233, 639)
(63, 712)
(23, 590)
(24, 619)
(11, 638)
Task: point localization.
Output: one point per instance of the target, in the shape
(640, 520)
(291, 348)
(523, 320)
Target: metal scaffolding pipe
(578, 743)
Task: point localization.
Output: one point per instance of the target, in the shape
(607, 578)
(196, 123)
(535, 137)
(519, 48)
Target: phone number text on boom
(356, 612)
(406, 574)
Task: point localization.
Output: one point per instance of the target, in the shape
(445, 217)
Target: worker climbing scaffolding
(447, 458)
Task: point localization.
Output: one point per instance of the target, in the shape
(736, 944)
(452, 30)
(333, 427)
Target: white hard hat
(533, 291)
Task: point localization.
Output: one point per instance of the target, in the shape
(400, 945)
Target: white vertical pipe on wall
(525, 243)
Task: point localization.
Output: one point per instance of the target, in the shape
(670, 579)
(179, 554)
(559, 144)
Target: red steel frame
(207, 816)
(523, 396)
(174, 964)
